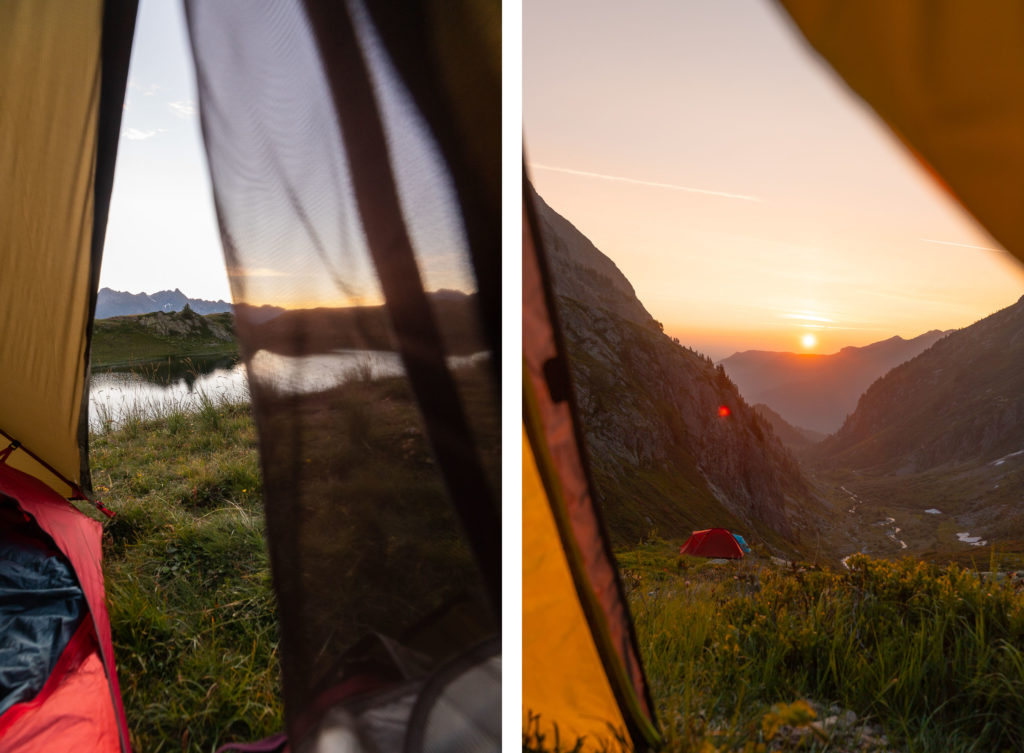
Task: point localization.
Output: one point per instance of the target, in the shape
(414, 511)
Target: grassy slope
(121, 340)
(931, 655)
(188, 586)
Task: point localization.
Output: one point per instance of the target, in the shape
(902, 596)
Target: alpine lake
(150, 389)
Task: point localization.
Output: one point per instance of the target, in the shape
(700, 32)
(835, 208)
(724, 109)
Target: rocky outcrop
(583, 273)
(187, 323)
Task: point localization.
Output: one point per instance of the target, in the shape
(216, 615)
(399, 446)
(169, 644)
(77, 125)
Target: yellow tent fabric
(50, 92)
(564, 681)
(947, 77)
(578, 541)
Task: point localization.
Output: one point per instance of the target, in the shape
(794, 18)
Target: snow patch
(1004, 458)
(966, 538)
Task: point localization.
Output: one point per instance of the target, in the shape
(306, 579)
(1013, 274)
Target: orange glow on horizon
(753, 198)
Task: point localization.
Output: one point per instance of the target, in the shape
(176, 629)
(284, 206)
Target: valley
(970, 514)
(902, 448)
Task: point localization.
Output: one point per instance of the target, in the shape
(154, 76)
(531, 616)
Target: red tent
(712, 542)
(77, 705)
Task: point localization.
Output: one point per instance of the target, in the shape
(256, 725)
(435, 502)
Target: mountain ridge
(110, 303)
(817, 391)
(972, 381)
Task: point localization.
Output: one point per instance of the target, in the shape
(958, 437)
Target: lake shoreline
(132, 361)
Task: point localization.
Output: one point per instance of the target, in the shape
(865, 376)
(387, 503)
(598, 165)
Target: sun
(809, 340)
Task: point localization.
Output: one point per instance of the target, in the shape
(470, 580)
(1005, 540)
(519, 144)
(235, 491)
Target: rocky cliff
(673, 447)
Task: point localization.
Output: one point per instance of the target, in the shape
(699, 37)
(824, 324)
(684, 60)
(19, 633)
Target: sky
(747, 195)
(162, 232)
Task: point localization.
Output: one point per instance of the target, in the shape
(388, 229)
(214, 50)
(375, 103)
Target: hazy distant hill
(117, 303)
(818, 391)
(794, 437)
(961, 400)
(320, 330)
(663, 457)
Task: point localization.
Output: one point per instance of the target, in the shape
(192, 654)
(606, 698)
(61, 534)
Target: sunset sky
(162, 230)
(746, 194)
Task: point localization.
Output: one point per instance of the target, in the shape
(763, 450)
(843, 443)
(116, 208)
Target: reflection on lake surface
(156, 388)
(291, 375)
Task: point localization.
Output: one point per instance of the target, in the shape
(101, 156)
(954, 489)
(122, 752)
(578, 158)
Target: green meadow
(887, 656)
(188, 584)
(192, 608)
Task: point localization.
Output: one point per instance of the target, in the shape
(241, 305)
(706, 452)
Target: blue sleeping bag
(41, 605)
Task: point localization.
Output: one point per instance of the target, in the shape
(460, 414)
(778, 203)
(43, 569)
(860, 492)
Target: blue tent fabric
(41, 605)
(743, 544)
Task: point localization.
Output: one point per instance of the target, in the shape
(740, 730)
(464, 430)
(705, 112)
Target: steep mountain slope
(962, 400)
(118, 303)
(664, 456)
(818, 391)
(935, 449)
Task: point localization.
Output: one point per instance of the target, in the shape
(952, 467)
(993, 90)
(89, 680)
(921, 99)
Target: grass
(191, 602)
(188, 586)
(742, 657)
(377, 545)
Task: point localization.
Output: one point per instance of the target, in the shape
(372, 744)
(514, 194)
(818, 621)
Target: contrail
(674, 187)
(962, 245)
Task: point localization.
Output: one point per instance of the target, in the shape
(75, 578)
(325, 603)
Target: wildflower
(796, 714)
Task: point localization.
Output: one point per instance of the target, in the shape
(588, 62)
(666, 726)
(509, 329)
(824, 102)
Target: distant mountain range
(818, 392)
(321, 330)
(673, 446)
(118, 303)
